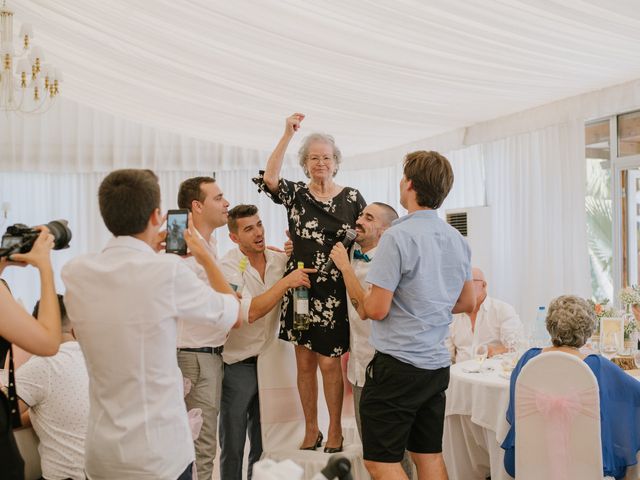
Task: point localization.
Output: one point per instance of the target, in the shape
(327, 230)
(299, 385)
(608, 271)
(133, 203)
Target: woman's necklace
(321, 195)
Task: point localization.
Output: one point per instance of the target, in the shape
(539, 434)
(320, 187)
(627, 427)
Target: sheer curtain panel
(535, 184)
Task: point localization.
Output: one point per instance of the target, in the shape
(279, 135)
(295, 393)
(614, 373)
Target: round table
(475, 422)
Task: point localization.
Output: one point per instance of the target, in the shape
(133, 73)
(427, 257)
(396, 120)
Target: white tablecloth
(475, 424)
(283, 421)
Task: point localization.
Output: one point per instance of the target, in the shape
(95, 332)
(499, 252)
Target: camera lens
(60, 232)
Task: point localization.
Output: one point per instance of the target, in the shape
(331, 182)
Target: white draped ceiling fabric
(192, 87)
(377, 74)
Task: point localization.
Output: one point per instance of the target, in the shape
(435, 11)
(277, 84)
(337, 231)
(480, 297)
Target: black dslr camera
(20, 239)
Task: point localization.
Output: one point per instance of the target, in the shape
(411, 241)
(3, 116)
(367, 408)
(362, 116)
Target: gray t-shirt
(425, 262)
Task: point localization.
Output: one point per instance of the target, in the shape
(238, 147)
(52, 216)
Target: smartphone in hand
(176, 225)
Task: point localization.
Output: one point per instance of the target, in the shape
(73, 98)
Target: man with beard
(257, 273)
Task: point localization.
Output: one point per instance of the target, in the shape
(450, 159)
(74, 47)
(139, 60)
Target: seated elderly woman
(570, 323)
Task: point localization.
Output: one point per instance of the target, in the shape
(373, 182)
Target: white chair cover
(282, 419)
(557, 412)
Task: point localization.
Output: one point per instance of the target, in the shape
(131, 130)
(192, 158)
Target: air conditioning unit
(474, 223)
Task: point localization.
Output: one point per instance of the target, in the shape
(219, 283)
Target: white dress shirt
(496, 321)
(193, 334)
(124, 304)
(360, 350)
(252, 338)
(57, 392)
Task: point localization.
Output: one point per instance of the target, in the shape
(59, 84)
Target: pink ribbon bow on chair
(558, 411)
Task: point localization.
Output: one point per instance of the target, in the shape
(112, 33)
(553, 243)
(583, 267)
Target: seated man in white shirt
(257, 272)
(492, 323)
(54, 398)
(124, 303)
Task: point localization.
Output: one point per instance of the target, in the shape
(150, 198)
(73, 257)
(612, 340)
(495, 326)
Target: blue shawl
(619, 415)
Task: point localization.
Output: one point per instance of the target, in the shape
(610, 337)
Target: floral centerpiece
(603, 309)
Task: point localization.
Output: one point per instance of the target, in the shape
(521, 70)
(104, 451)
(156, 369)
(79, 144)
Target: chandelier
(27, 84)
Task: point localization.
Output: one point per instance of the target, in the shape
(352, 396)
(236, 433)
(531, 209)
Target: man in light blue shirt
(420, 276)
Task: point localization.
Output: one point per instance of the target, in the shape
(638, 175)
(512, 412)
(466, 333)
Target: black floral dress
(315, 227)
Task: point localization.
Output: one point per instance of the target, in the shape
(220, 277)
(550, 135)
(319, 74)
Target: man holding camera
(124, 304)
(200, 345)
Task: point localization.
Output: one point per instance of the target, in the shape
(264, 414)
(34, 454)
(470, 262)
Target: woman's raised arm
(42, 336)
(274, 164)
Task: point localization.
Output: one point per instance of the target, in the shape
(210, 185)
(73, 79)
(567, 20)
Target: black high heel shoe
(316, 445)
(334, 449)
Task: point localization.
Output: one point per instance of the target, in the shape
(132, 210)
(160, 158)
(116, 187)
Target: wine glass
(522, 346)
(480, 353)
(511, 341)
(609, 344)
(636, 358)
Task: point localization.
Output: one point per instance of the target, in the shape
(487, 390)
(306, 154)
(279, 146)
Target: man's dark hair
(127, 199)
(63, 310)
(388, 211)
(431, 176)
(64, 319)
(240, 211)
(190, 190)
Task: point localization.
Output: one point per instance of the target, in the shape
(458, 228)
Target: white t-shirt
(360, 350)
(496, 321)
(124, 304)
(252, 338)
(57, 390)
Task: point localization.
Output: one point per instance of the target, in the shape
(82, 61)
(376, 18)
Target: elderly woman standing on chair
(320, 213)
(570, 322)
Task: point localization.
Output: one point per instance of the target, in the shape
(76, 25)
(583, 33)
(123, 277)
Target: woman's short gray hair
(303, 153)
(570, 321)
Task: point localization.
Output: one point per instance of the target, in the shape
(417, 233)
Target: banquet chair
(282, 419)
(557, 418)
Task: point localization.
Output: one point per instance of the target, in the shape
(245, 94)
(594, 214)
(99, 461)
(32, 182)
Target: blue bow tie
(358, 255)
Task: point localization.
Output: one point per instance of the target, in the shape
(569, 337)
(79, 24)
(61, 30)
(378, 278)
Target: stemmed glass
(609, 344)
(636, 358)
(480, 353)
(511, 341)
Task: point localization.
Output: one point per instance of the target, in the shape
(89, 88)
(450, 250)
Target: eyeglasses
(316, 158)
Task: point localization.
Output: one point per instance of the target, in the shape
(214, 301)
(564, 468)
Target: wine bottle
(301, 319)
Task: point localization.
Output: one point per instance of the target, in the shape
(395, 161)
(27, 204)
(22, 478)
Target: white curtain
(535, 185)
(469, 179)
(75, 138)
(36, 198)
(377, 74)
